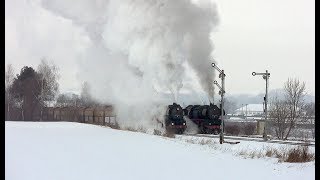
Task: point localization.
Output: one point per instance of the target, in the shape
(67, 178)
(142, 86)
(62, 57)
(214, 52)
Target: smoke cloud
(138, 49)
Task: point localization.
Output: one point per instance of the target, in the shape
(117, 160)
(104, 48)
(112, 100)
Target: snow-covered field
(73, 151)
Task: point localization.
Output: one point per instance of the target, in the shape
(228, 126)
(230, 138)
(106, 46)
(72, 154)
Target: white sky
(273, 35)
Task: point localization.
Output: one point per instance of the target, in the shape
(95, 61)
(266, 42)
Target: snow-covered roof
(236, 118)
(251, 107)
(239, 119)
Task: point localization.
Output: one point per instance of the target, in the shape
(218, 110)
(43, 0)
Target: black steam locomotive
(207, 117)
(174, 120)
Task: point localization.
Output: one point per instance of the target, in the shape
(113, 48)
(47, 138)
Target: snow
(245, 145)
(67, 151)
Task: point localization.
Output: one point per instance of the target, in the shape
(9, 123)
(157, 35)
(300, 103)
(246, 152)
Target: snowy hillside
(73, 151)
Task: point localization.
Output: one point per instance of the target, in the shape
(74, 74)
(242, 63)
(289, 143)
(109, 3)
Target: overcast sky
(252, 35)
(273, 35)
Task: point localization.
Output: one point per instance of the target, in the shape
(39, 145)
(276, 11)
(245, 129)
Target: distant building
(250, 110)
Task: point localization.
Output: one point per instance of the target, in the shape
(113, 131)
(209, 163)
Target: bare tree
(285, 113)
(9, 78)
(309, 116)
(62, 101)
(75, 100)
(309, 110)
(65, 100)
(48, 83)
(294, 97)
(279, 115)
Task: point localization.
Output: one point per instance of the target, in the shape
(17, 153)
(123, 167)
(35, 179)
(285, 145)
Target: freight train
(207, 117)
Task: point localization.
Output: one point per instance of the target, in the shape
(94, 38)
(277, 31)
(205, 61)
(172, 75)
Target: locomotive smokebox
(174, 119)
(207, 117)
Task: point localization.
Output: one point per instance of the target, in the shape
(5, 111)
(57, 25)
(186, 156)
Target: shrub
(205, 141)
(191, 140)
(169, 133)
(299, 154)
(232, 130)
(296, 154)
(114, 126)
(157, 132)
(142, 129)
(269, 152)
(249, 128)
(130, 129)
(241, 153)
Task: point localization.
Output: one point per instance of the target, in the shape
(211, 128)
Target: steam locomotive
(207, 117)
(174, 120)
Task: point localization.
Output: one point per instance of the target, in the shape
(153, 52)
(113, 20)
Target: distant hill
(238, 99)
(258, 99)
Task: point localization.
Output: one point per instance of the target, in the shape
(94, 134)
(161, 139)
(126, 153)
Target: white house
(250, 110)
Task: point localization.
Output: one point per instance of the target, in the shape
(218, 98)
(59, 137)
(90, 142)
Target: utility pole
(246, 111)
(265, 76)
(242, 114)
(221, 92)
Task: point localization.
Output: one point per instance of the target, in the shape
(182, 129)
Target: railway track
(311, 144)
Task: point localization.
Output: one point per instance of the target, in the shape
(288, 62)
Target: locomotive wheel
(202, 130)
(210, 131)
(215, 132)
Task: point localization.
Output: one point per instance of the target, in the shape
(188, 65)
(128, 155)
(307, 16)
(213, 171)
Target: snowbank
(66, 151)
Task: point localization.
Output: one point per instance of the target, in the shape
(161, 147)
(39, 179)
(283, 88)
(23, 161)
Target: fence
(91, 115)
(103, 115)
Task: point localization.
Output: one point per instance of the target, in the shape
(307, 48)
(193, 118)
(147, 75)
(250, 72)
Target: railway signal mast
(265, 76)
(221, 92)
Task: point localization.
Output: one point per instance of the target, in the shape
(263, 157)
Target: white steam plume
(192, 128)
(136, 44)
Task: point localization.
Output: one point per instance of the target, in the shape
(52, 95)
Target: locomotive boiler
(207, 117)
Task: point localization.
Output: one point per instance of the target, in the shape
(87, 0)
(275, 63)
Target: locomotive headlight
(172, 124)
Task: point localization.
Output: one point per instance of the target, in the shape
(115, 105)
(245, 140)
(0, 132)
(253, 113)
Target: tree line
(29, 93)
